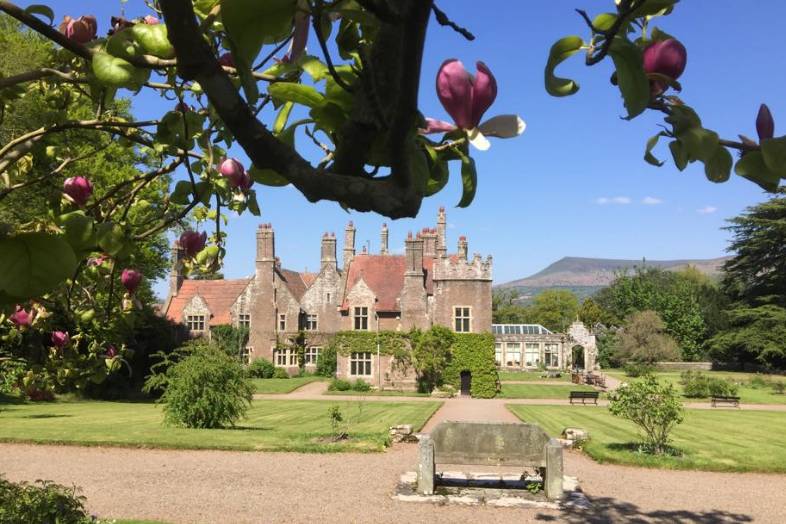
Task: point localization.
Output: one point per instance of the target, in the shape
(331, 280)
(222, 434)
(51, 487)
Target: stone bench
(490, 444)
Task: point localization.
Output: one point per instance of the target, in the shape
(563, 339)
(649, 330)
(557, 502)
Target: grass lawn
(708, 440)
(272, 425)
(530, 376)
(282, 385)
(376, 393)
(747, 393)
(540, 390)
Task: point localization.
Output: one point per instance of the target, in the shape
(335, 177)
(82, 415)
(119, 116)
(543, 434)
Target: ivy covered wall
(473, 352)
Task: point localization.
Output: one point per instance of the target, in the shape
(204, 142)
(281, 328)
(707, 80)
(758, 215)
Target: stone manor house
(370, 292)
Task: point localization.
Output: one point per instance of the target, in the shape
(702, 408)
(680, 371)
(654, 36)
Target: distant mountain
(584, 276)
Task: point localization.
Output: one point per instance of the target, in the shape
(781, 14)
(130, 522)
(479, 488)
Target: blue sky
(574, 184)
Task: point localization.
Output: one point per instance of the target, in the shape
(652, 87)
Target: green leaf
(330, 117)
(469, 180)
(604, 21)
(111, 237)
(267, 177)
(182, 193)
(718, 167)
(314, 67)
(752, 167)
(32, 264)
(251, 23)
(42, 10)
(79, 230)
(282, 117)
(153, 39)
(439, 172)
(773, 151)
(683, 118)
(648, 156)
(418, 165)
(123, 45)
(632, 80)
(253, 205)
(654, 8)
(297, 93)
(116, 72)
(560, 51)
(699, 143)
(179, 129)
(679, 154)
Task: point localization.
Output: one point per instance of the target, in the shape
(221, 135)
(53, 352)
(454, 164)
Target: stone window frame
(360, 316)
(537, 353)
(551, 349)
(245, 355)
(311, 322)
(195, 323)
(463, 315)
(311, 355)
(358, 360)
(282, 321)
(509, 350)
(285, 358)
(499, 351)
(244, 320)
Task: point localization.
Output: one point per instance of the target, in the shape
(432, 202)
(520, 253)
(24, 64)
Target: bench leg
(552, 481)
(426, 466)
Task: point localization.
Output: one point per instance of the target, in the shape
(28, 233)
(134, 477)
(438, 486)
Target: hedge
(473, 352)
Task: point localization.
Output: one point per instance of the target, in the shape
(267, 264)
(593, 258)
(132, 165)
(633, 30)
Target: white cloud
(707, 210)
(602, 201)
(651, 201)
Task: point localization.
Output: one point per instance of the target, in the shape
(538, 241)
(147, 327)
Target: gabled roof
(219, 295)
(294, 282)
(384, 275)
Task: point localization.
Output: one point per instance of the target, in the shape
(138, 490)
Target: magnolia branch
(624, 10)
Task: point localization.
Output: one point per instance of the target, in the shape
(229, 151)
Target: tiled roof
(294, 282)
(309, 278)
(384, 275)
(218, 294)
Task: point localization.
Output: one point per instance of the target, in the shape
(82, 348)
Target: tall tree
(644, 339)
(555, 309)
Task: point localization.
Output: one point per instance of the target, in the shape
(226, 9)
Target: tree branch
(624, 10)
(442, 19)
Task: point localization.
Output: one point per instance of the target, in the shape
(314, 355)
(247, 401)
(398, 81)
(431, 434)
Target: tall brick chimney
(349, 244)
(176, 276)
(429, 236)
(414, 255)
(463, 247)
(442, 246)
(328, 256)
(266, 246)
(414, 302)
(383, 240)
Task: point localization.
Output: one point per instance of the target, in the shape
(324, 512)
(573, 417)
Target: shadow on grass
(246, 428)
(8, 399)
(45, 415)
(607, 510)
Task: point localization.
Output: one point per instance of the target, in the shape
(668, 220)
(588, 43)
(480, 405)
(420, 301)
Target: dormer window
(361, 318)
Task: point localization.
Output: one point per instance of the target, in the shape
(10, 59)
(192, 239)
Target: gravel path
(236, 487)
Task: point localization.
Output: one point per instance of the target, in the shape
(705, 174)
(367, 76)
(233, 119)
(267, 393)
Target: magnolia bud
(465, 98)
(765, 125)
(192, 242)
(80, 30)
(130, 278)
(60, 339)
(78, 189)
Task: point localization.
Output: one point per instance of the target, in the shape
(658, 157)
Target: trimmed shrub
(43, 502)
(779, 387)
(638, 369)
(696, 384)
(208, 389)
(361, 385)
(326, 362)
(280, 373)
(261, 368)
(338, 384)
(473, 352)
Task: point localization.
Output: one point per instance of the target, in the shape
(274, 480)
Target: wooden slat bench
(584, 396)
(725, 399)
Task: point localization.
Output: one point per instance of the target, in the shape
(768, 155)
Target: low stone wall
(684, 366)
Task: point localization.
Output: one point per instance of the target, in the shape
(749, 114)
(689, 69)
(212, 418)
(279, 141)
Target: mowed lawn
(377, 393)
(272, 425)
(709, 440)
(282, 385)
(747, 393)
(540, 390)
(530, 376)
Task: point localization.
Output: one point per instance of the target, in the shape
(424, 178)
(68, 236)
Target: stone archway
(579, 335)
(577, 357)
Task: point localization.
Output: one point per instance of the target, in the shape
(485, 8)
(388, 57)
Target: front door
(466, 383)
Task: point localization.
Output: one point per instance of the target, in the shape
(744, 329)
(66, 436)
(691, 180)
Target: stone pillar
(328, 256)
(442, 246)
(463, 247)
(426, 466)
(383, 240)
(552, 483)
(349, 245)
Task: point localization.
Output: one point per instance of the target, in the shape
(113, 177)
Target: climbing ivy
(473, 352)
(390, 343)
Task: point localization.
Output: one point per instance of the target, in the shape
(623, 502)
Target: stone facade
(532, 346)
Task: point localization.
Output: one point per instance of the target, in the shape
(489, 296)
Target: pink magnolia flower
(183, 107)
(665, 57)
(466, 98)
(235, 173)
(299, 37)
(111, 351)
(130, 278)
(192, 242)
(226, 60)
(60, 339)
(97, 261)
(151, 20)
(78, 189)
(765, 124)
(80, 30)
(21, 318)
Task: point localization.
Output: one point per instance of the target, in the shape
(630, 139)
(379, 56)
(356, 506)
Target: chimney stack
(414, 255)
(383, 240)
(176, 276)
(429, 242)
(349, 244)
(442, 246)
(463, 247)
(266, 245)
(328, 256)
